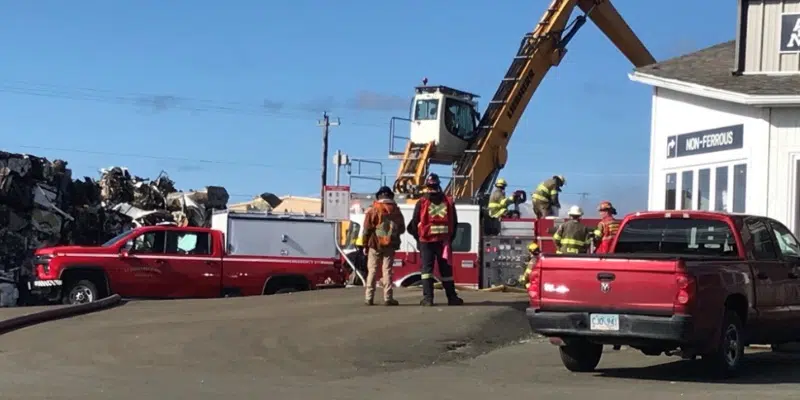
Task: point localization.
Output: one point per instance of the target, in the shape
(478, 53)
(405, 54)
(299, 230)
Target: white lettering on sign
(794, 37)
(710, 141)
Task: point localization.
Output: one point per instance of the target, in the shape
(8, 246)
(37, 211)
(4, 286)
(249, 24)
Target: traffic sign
(337, 203)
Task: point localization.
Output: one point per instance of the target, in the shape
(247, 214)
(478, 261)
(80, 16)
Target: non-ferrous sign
(337, 203)
(790, 33)
(708, 141)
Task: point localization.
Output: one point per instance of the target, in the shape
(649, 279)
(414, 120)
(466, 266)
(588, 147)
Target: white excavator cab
(445, 116)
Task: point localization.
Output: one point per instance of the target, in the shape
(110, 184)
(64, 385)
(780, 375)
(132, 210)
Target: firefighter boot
(450, 291)
(427, 292)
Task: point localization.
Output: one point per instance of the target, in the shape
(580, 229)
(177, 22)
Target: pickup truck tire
(581, 356)
(725, 361)
(80, 292)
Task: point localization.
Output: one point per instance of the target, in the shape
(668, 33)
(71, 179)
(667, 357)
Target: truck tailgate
(608, 284)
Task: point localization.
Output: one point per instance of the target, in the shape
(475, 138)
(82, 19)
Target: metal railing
(394, 136)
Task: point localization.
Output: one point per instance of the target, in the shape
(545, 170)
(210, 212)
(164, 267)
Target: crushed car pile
(41, 205)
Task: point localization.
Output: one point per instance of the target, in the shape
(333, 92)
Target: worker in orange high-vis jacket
(607, 227)
(433, 225)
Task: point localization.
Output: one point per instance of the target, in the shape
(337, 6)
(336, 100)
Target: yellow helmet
(533, 247)
(501, 183)
(562, 179)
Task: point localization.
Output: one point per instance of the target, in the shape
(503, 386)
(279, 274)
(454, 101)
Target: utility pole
(325, 123)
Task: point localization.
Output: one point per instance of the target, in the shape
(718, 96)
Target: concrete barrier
(23, 321)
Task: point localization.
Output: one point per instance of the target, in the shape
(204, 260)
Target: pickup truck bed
(678, 283)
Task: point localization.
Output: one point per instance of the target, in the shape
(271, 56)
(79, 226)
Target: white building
(725, 132)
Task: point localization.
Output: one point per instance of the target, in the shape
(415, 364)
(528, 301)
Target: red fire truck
(479, 260)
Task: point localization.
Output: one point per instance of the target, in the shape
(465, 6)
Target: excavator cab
(446, 117)
(443, 124)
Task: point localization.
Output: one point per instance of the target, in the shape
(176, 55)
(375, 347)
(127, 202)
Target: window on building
(669, 195)
(426, 109)
(721, 189)
(687, 187)
(739, 187)
(463, 239)
(459, 119)
(704, 189)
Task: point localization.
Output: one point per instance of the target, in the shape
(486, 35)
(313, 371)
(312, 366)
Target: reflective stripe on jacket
(546, 192)
(605, 231)
(435, 220)
(572, 237)
(498, 203)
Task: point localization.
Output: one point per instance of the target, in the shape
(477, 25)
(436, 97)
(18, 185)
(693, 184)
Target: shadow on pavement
(758, 369)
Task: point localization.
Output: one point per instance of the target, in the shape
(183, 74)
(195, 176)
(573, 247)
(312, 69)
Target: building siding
(675, 113)
(784, 153)
(762, 50)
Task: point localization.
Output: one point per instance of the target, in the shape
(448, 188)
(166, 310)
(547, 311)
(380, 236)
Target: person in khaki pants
(383, 225)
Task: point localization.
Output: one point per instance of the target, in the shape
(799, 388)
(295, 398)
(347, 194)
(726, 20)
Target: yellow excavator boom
(539, 51)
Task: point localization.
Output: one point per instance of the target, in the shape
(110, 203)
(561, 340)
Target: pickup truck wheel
(581, 356)
(726, 360)
(80, 292)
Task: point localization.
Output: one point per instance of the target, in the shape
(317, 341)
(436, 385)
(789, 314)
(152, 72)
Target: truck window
(677, 236)
(787, 243)
(352, 234)
(194, 243)
(149, 243)
(763, 246)
(463, 239)
(115, 239)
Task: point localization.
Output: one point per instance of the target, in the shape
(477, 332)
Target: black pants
(430, 253)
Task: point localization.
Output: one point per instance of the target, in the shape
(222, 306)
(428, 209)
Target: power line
(162, 102)
(170, 158)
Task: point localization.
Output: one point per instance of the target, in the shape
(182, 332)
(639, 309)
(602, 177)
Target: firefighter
(498, 201)
(606, 228)
(572, 237)
(433, 226)
(533, 255)
(545, 197)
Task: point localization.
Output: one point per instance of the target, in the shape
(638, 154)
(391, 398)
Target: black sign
(708, 141)
(790, 32)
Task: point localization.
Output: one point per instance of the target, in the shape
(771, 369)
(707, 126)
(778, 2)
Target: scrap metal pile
(41, 205)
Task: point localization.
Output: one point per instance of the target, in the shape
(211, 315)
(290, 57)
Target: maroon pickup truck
(688, 283)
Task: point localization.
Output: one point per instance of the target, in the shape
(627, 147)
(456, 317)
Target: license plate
(604, 322)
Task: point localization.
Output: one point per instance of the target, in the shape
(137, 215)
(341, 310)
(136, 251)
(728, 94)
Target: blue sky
(230, 95)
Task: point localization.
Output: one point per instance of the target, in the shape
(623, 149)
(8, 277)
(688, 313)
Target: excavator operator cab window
(426, 109)
(460, 119)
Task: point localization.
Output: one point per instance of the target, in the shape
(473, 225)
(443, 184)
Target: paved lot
(325, 345)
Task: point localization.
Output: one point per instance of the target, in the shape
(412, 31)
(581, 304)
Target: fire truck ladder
(413, 167)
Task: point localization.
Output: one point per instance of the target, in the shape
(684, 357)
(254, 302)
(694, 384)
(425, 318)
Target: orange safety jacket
(606, 230)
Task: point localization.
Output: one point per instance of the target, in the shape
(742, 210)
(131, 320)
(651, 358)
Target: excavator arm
(539, 51)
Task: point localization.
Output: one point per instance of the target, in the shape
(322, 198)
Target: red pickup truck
(688, 283)
(246, 254)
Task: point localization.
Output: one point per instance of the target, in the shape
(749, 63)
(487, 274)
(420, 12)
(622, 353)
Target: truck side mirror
(125, 250)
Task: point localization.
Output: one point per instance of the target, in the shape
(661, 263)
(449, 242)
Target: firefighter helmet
(501, 183)
(605, 206)
(433, 181)
(533, 247)
(561, 178)
(575, 211)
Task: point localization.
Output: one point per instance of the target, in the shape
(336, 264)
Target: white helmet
(575, 211)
